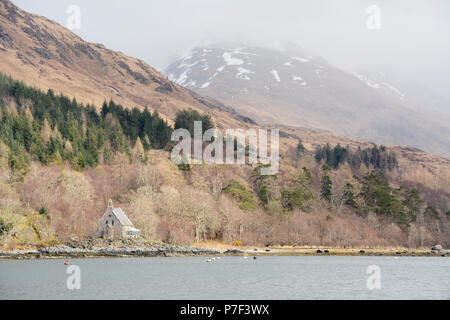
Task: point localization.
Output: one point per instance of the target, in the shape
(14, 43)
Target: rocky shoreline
(434, 252)
(142, 248)
(106, 249)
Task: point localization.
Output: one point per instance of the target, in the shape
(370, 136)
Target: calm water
(228, 278)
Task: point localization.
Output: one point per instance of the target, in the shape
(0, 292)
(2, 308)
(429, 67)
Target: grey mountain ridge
(297, 88)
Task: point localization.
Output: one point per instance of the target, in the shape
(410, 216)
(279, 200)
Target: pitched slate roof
(122, 217)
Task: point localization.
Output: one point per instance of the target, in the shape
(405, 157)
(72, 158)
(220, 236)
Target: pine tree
(326, 185)
(299, 195)
(348, 196)
(300, 148)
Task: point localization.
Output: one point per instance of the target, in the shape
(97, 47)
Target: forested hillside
(60, 161)
(44, 127)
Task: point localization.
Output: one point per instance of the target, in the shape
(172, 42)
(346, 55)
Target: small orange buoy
(66, 263)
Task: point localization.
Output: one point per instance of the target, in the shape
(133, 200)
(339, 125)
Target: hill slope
(42, 53)
(60, 161)
(294, 87)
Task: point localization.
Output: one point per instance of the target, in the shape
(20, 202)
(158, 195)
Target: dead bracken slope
(44, 54)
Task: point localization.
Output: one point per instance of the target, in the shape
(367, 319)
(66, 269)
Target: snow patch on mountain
(238, 51)
(205, 85)
(401, 94)
(299, 80)
(187, 65)
(377, 85)
(367, 81)
(275, 75)
(243, 73)
(300, 59)
(205, 64)
(230, 61)
(182, 77)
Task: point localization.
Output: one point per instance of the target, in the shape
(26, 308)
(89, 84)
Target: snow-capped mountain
(294, 87)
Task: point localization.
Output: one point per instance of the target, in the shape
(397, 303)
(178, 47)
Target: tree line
(377, 157)
(368, 193)
(46, 127)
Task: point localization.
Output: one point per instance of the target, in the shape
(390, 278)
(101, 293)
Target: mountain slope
(294, 87)
(42, 53)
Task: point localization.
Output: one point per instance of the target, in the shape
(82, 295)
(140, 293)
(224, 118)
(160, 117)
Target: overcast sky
(412, 42)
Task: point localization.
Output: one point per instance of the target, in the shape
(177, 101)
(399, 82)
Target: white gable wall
(109, 225)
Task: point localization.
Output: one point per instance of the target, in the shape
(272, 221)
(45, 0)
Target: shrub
(5, 227)
(432, 212)
(274, 207)
(184, 167)
(300, 148)
(43, 210)
(246, 200)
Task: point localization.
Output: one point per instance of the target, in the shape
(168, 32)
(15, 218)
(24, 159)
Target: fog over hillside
(292, 86)
(411, 43)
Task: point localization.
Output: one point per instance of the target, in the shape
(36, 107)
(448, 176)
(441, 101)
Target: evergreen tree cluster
(264, 185)
(46, 127)
(245, 197)
(185, 120)
(376, 157)
(150, 128)
(299, 194)
(326, 185)
(377, 195)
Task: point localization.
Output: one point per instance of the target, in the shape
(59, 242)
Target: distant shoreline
(158, 249)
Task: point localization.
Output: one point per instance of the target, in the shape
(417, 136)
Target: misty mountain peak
(290, 86)
(252, 67)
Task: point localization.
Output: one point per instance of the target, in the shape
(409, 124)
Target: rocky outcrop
(165, 88)
(153, 249)
(233, 251)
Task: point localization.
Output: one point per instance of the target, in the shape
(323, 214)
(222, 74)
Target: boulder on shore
(437, 247)
(233, 251)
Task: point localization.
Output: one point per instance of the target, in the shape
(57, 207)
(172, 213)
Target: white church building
(115, 224)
